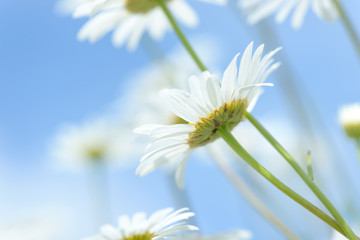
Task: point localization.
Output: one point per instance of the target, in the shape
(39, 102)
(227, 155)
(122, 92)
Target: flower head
(159, 225)
(257, 10)
(349, 118)
(130, 19)
(207, 107)
(95, 141)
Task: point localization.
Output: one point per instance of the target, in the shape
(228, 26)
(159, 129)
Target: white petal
(136, 34)
(179, 103)
(110, 232)
(85, 9)
(147, 129)
(183, 12)
(263, 11)
(299, 14)
(213, 90)
(172, 130)
(99, 25)
(180, 170)
(123, 32)
(159, 24)
(160, 158)
(325, 9)
(229, 79)
(284, 10)
(245, 63)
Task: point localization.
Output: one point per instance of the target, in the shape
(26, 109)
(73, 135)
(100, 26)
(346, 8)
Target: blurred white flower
(96, 141)
(207, 107)
(236, 235)
(129, 18)
(159, 225)
(349, 118)
(256, 10)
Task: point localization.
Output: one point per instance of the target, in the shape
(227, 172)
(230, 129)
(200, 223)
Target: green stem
(181, 36)
(235, 145)
(348, 25)
(248, 193)
(314, 188)
(358, 148)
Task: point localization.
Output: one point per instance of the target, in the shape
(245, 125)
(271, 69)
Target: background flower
(256, 10)
(101, 140)
(130, 19)
(349, 118)
(159, 225)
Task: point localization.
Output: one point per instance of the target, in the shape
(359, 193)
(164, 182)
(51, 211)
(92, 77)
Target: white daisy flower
(236, 235)
(257, 10)
(205, 108)
(100, 140)
(159, 225)
(349, 118)
(130, 19)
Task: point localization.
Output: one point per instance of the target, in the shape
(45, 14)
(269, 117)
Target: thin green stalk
(314, 188)
(248, 194)
(234, 144)
(181, 36)
(358, 148)
(99, 192)
(348, 26)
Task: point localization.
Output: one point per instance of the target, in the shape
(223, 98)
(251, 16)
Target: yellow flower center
(140, 6)
(352, 130)
(95, 152)
(144, 236)
(229, 114)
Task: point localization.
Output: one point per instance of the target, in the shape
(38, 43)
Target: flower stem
(358, 148)
(248, 194)
(348, 26)
(99, 192)
(235, 145)
(314, 188)
(181, 36)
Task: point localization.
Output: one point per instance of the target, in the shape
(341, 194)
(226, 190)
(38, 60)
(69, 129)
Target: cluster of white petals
(159, 225)
(170, 142)
(350, 114)
(102, 140)
(256, 10)
(128, 25)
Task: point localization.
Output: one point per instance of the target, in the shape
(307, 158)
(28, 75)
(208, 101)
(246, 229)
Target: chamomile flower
(95, 141)
(207, 107)
(256, 10)
(349, 118)
(129, 19)
(159, 225)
